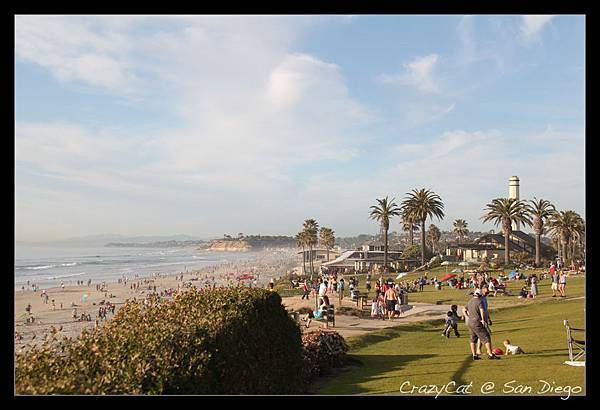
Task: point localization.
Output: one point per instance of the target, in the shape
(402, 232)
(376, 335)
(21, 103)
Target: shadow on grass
(458, 375)
(374, 368)
(388, 334)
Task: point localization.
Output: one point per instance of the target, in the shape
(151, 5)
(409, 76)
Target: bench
(362, 299)
(329, 315)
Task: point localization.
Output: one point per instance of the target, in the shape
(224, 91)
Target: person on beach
(475, 316)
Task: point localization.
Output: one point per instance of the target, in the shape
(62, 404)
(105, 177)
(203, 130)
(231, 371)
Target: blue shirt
(484, 302)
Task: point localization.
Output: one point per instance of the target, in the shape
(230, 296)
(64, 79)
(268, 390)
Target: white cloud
(533, 24)
(251, 110)
(418, 73)
(72, 51)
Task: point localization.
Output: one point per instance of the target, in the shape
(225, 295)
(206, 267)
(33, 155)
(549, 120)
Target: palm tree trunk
(385, 250)
(327, 254)
(506, 250)
(423, 242)
(304, 260)
(538, 241)
(310, 261)
(411, 235)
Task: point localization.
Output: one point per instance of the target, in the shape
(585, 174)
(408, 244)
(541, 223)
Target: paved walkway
(348, 325)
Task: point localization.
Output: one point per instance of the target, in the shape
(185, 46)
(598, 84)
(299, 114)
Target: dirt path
(349, 325)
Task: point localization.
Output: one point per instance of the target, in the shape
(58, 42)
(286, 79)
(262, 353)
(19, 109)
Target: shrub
(223, 341)
(322, 350)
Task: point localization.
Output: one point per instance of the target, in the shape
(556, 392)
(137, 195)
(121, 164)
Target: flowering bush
(222, 341)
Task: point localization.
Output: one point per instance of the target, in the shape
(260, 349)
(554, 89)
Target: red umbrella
(448, 276)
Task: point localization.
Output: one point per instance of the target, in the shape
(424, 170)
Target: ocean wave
(65, 276)
(38, 267)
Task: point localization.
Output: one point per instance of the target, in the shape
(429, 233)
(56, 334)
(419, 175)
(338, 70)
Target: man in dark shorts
(391, 298)
(476, 320)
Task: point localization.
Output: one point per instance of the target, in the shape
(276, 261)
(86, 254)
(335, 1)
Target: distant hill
(103, 239)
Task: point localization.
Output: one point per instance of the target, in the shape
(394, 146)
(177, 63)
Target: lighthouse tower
(513, 192)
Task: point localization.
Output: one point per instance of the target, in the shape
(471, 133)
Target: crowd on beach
(150, 289)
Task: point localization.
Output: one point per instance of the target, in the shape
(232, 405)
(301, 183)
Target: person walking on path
(305, 290)
(477, 326)
(391, 298)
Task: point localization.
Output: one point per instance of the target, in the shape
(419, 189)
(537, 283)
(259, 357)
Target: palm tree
(540, 210)
(419, 205)
(505, 211)
(302, 241)
(382, 213)
(311, 228)
(408, 225)
(433, 236)
(327, 239)
(460, 229)
(567, 225)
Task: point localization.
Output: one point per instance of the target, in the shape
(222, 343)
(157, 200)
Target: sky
(206, 125)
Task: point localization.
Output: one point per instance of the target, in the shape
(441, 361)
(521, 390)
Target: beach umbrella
(457, 270)
(448, 276)
(445, 263)
(401, 275)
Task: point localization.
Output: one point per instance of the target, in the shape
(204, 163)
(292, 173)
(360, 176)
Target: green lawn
(419, 355)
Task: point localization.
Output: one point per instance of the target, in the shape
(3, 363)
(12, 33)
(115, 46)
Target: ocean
(47, 266)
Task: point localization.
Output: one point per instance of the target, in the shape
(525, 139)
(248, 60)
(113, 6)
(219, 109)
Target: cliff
(230, 246)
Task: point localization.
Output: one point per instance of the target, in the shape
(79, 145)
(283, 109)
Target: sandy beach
(264, 265)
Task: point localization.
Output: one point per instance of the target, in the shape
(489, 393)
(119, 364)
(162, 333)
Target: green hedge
(223, 341)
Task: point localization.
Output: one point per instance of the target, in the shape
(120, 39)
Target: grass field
(418, 355)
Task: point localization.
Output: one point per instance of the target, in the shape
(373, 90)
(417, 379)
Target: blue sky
(207, 125)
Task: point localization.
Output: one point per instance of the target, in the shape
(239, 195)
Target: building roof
(342, 259)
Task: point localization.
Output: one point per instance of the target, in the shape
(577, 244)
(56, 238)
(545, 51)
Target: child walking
(451, 322)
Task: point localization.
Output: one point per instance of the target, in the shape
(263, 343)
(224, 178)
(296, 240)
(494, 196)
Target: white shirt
(322, 289)
(512, 349)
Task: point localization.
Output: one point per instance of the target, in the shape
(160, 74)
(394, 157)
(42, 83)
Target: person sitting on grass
(511, 349)
(524, 293)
